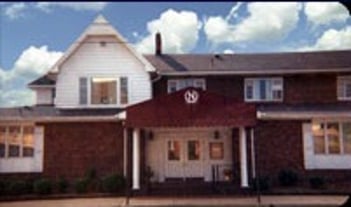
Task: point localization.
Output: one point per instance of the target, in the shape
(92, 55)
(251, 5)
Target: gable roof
(100, 26)
(47, 80)
(271, 63)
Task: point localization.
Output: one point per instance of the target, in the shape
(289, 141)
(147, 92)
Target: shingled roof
(302, 62)
(45, 80)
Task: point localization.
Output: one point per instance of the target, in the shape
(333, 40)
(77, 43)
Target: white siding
(320, 161)
(26, 164)
(44, 96)
(156, 151)
(91, 60)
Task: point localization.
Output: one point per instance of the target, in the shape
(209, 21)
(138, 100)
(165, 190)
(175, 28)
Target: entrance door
(184, 158)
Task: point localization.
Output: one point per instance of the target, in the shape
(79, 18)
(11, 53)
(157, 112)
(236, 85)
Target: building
(190, 117)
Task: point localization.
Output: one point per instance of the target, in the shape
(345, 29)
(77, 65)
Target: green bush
(3, 185)
(42, 187)
(263, 182)
(317, 182)
(62, 185)
(81, 185)
(91, 174)
(113, 183)
(287, 178)
(16, 188)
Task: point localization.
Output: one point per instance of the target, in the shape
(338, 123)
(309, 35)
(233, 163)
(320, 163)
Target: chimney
(158, 42)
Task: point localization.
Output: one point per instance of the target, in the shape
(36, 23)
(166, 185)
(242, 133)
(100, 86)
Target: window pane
(103, 91)
(346, 128)
(28, 141)
(124, 90)
(333, 138)
(318, 138)
(2, 141)
(347, 89)
(193, 150)
(14, 141)
(172, 86)
(262, 89)
(216, 151)
(83, 91)
(249, 89)
(200, 83)
(173, 150)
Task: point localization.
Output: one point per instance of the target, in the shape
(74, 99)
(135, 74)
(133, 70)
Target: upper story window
(178, 84)
(344, 87)
(16, 141)
(263, 89)
(331, 137)
(103, 91)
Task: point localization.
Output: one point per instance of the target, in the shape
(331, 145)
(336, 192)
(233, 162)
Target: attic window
(102, 43)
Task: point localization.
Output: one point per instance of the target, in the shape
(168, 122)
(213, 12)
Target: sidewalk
(196, 201)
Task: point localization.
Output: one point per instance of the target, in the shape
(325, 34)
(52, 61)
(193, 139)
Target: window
(193, 150)
(332, 137)
(83, 91)
(124, 90)
(103, 91)
(264, 89)
(216, 151)
(16, 141)
(173, 150)
(344, 88)
(178, 84)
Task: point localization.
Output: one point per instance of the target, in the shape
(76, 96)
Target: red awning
(191, 108)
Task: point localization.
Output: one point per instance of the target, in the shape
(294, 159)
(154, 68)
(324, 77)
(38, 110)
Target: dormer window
(344, 87)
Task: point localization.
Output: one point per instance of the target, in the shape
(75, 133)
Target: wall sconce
(216, 135)
(150, 135)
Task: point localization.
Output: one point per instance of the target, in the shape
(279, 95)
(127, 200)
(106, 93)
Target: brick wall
(70, 149)
(303, 88)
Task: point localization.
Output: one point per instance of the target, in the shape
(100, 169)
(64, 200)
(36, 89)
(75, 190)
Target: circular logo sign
(191, 96)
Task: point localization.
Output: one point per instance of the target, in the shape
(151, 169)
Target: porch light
(216, 134)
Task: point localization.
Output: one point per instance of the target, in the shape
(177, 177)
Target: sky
(33, 36)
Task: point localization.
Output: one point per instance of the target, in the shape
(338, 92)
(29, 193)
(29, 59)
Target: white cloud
(320, 13)
(78, 6)
(179, 31)
(32, 63)
(15, 10)
(266, 22)
(228, 51)
(332, 40)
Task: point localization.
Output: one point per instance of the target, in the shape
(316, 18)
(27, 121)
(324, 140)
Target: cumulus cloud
(15, 10)
(179, 31)
(331, 39)
(32, 63)
(320, 13)
(265, 22)
(78, 6)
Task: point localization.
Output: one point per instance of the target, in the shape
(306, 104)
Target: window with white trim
(178, 84)
(263, 89)
(344, 87)
(16, 141)
(331, 137)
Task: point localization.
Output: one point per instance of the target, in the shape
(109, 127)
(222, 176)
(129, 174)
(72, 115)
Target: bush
(113, 183)
(16, 188)
(81, 185)
(287, 178)
(264, 183)
(317, 182)
(91, 174)
(42, 187)
(3, 185)
(62, 185)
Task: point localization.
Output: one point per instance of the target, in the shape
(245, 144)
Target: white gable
(101, 52)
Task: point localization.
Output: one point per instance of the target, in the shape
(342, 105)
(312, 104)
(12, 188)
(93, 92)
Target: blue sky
(34, 35)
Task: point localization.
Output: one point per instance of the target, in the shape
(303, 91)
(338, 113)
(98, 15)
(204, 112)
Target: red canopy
(191, 107)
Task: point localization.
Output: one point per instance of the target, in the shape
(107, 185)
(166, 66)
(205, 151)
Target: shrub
(287, 178)
(91, 174)
(264, 183)
(3, 185)
(16, 188)
(42, 187)
(81, 185)
(113, 183)
(317, 182)
(62, 185)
